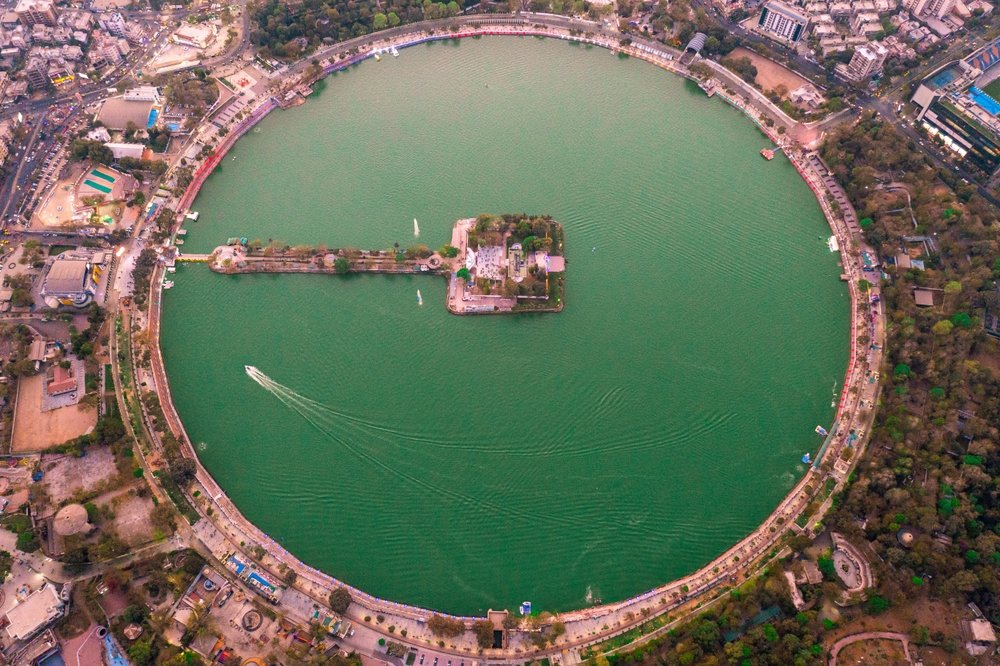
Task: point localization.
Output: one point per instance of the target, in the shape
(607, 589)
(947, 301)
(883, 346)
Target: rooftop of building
(40, 608)
(67, 275)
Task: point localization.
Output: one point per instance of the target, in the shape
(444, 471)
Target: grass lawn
(993, 90)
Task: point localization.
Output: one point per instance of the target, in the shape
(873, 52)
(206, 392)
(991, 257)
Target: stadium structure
(959, 103)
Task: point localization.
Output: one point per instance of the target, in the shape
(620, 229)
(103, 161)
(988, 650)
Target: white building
(142, 94)
(114, 23)
(866, 60)
(780, 20)
(120, 150)
(33, 614)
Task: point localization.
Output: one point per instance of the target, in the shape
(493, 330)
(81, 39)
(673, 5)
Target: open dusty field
(67, 475)
(769, 73)
(132, 522)
(35, 430)
(873, 653)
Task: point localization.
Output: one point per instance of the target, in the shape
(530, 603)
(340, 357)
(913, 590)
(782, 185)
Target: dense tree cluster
(933, 456)
(287, 30)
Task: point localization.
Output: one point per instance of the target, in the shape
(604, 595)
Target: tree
(445, 626)
(341, 265)
(141, 653)
(379, 21)
(483, 629)
(340, 600)
(182, 470)
(943, 328)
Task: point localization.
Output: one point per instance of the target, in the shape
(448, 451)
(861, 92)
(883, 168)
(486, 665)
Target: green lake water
(462, 463)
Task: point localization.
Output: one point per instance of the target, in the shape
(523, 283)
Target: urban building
(30, 12)
(70, 282)
(782, 21)
(120, 150)
(866, 61)
(37, 611)
(938, 8)
(114, 23)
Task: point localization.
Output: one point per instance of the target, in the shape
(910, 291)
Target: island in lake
(495, 264)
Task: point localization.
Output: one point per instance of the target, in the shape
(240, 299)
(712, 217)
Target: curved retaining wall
(721, 571)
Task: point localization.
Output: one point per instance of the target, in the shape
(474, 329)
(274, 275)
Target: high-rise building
(938, 8)
(114, 23)
(866, 60)
(30, 12)
(781, 20)
(915, 7)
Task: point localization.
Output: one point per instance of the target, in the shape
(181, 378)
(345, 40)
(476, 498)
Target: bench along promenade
(494, 264)
(223, 528)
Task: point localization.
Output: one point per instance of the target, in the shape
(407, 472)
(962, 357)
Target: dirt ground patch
(873, 653)
(936, 616)
(65, 475)
(991, 361)
(35, 430)
(769, 73)
(132, 518)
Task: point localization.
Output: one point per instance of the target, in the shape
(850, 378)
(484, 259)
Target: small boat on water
(420, 299)
(833, 244)
(416, 227)
(378, 55)
(807, 459)
(395, 52)
(167, 284)
(822, 431)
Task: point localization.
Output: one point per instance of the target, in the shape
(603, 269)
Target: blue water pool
(153, 115)
(984, 101)
(54, 659)
(115, 657)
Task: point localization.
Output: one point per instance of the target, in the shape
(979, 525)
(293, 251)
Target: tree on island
(341, 265)
(448, 251)
(340, 600)
(463, 273)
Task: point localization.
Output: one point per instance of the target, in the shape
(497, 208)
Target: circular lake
(462, 463)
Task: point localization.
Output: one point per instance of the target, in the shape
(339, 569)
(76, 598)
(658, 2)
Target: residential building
(782, 21)
(915, 7)
(866, 61)
(114, 23)
(938, 8)
(30, 12)
(38, 610)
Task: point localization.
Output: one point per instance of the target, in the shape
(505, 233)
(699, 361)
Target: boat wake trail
(331, 424)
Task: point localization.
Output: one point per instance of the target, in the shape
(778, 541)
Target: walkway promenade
(585, 626)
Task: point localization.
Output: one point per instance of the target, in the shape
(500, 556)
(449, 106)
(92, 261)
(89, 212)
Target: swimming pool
(153, 115)
(54, 659)
(115, 657)
(984, 101)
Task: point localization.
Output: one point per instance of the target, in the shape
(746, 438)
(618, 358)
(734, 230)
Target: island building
(783, 21)
(953, 107)
(37, 611)
(70, 282)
